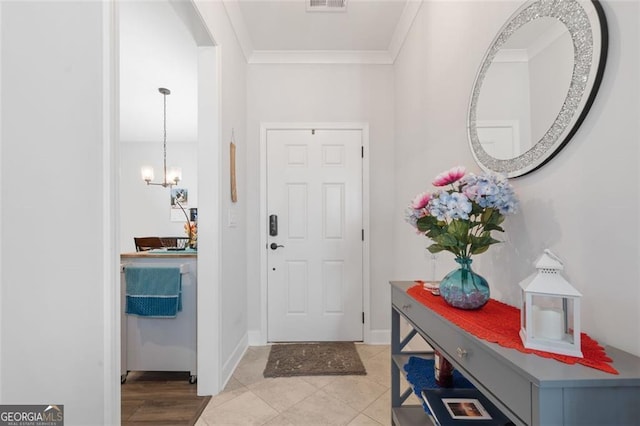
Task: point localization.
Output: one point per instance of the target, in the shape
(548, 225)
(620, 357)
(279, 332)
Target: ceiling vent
(326, 5)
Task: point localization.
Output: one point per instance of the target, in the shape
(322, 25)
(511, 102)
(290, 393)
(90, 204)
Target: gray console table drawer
(529, 389)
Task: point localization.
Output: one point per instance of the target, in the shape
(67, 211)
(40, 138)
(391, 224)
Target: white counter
(161, 344)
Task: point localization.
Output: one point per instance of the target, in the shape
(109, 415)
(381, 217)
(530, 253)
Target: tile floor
(250, 399)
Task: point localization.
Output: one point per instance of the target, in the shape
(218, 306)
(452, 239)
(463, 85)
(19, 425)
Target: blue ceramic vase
(463, 288)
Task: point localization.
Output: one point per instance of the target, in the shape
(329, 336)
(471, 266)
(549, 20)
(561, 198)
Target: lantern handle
(553, 256)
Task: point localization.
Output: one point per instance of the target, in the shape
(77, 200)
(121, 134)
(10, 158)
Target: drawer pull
(405, 307)
(461, 352)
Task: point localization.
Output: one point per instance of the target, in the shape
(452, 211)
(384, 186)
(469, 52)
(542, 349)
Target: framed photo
(232, 171)
(465, 409)
(179, 198)
(462, 406)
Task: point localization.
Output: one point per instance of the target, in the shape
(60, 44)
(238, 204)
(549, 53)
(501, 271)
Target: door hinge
(363, 235)
(363, 317)
(362, 151)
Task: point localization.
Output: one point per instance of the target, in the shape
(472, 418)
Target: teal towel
(153, 291)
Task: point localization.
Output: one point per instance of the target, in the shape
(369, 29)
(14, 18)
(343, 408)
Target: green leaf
(476, 209)
(493, 227)
(431, 226)
(481, 244)
(459, 229)
(435, 231)
(435, 248)
(447, 240)
(492, 216)
(479, 250)
(424, 223)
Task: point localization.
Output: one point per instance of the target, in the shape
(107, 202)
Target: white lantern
(550, 311)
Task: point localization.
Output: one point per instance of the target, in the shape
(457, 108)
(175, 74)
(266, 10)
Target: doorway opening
(194, 144)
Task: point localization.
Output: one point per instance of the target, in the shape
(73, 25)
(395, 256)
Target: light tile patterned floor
(250, 399)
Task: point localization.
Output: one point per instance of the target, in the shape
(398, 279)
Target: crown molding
(375, 57)
(511, 55)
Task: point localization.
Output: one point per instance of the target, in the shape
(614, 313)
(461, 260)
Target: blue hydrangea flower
(467, 192)
(412, 215)
(490, 191)
(447, 206)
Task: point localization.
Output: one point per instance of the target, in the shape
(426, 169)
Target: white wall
(233, 106)
(145, 210)
(584, 204)
(58, 258)
(327, 93)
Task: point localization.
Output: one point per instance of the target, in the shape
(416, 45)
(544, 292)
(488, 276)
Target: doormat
(314, 359)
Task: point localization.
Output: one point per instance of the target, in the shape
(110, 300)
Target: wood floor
(160, 398)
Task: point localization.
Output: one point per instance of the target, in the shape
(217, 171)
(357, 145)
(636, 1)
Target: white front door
(314, 192)
(500, 138)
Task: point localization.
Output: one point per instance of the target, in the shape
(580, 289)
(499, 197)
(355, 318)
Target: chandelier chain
(164, 145)
(147, 172)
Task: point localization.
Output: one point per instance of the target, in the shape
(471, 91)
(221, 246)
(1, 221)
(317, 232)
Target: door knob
(275, 246)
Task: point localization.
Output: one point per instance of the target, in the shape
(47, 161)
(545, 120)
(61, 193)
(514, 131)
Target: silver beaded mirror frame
(586, 24)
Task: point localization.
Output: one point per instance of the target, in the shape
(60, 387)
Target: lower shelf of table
(403, 358)
(410, 415)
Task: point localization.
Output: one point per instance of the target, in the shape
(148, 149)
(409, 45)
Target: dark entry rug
(314, 359)
(160, 399)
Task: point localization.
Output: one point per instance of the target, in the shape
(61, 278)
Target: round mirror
(536, 84)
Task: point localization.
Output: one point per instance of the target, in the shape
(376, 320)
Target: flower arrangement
(191, 229)
(460, 219)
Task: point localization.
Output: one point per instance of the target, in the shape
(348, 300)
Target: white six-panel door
(314, 281)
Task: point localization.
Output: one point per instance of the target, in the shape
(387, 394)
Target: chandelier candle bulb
(174, 174)
(147, 173)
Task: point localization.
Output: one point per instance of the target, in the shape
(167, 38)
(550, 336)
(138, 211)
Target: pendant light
(174, 174)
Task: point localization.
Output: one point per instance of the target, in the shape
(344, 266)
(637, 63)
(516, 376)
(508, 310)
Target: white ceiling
(277, 31)
(157, 50)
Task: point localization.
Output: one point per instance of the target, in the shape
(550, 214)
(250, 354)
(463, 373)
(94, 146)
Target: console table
(529, 389)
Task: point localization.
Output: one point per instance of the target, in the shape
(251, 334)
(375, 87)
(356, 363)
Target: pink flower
(421, 200)
(452, 175)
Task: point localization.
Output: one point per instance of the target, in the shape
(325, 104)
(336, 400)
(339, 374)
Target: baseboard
(375, 337)
(379, 337)
(233, 361)
(255, 338)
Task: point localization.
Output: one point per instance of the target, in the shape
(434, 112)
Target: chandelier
(173, 175)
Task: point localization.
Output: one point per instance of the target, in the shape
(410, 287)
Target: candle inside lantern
(547, 323)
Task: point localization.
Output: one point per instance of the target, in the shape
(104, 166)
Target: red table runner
(499, 323)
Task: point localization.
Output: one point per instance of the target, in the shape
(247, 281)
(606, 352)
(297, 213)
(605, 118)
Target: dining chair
(177, 242)
(147, 243)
